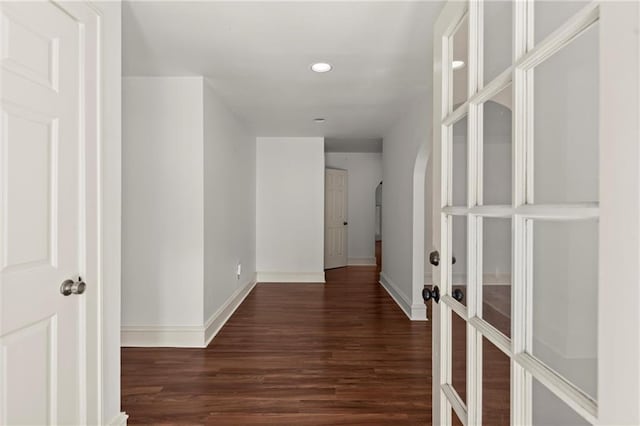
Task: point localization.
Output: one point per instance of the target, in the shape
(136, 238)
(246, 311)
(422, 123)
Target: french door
(536, 213)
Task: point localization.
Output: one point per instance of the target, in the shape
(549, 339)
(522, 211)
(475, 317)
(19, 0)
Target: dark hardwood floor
(342, 353)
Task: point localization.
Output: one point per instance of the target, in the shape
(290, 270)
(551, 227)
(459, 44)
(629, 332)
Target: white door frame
(618, 210)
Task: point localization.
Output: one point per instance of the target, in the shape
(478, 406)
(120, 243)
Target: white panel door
(335, 218)
(535, 214)
(43, 228)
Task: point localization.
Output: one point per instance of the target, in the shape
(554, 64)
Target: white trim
(196, 336)
(420, 170)
(619, 233)
(498, 339)
(220, 317)
(415, 312)
(396, 294)
(538, 211)
(290, 277)
(119, 420)
(361, 261)
(496, 279)
(565, 391)
(163, 336)
(487, 279)
(456, 115)
(456, 402)
(109, 209)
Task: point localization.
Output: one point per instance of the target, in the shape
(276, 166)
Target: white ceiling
(257, 57)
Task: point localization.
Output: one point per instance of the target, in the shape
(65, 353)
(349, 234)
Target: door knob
(428, 294)
(70, 287)
(345, 223)
(457, 294)
(434, 258)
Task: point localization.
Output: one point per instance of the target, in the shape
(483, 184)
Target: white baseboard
(162, 336)
(119, 420)
(222, 315)
(197, 336)
(361, 261)
(396, 294)
(487, 279)
(496, 279)
(290, 277)
(419, 311)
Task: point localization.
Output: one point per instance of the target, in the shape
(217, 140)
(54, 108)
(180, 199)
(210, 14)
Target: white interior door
(49, 196)
(535, 179)
(335, 218)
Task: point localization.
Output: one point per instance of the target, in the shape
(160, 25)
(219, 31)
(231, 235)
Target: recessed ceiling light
(319, 120)
(456, 65)
(321, 67)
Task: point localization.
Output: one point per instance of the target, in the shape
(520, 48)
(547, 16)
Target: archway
(421, 170)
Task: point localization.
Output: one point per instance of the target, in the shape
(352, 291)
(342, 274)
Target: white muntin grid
(521, 212)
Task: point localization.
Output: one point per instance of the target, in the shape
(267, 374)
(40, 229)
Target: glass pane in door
(549, 410)
(498, 38)
(458, 261)
(459, 63)
(459, 355)
(496, 388)
(496, 273)
(458, 163)
(550, 14)
(496, 148)
(565, 299)
(565, 146)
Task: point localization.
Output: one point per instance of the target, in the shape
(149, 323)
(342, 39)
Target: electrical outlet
(239, 270)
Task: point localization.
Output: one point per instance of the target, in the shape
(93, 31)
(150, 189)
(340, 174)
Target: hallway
(339, 353)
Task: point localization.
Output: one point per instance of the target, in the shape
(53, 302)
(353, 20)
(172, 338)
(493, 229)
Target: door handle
(457, 294)
(69, 287)
(434, 258)
(428, 294)
(345, 223)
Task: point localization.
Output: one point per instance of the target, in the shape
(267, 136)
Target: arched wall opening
(421, 231)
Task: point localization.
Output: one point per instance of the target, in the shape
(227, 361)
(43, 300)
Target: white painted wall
(229, 203)
(400, 150)
(290, 208)
(188, 211)
(365, 174)
(162, 208)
